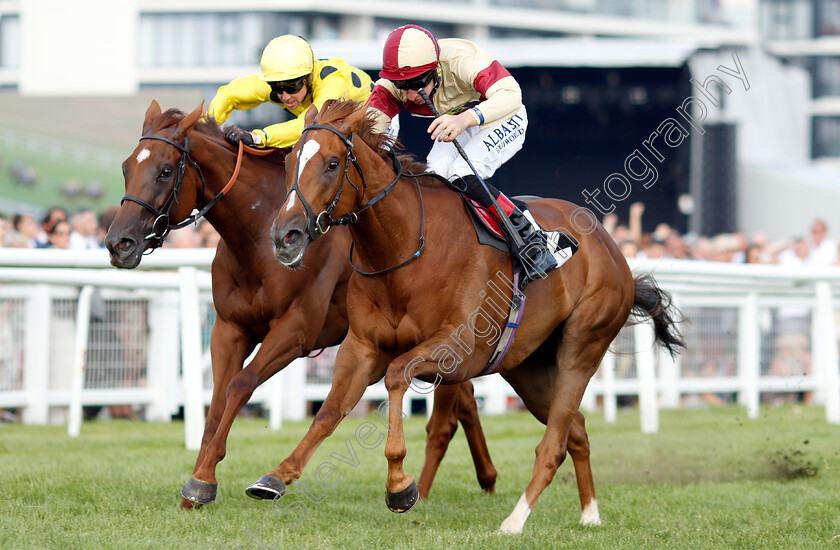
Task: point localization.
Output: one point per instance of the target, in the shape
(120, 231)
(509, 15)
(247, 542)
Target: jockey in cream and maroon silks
(480, 103)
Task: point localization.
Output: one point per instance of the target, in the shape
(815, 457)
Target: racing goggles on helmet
(289, 86)
(415, 83)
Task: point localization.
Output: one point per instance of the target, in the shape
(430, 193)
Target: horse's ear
(311, 113)
(190, 120)
(151, 114)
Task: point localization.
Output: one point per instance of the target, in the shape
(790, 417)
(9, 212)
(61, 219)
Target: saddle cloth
(489, 233)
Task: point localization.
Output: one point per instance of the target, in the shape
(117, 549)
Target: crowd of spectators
(84, 229)
(786, 346)
(815, 249)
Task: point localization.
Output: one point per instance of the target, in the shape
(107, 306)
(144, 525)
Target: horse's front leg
(281, 345)
(358, 364)
(401, 491)
(229, 346)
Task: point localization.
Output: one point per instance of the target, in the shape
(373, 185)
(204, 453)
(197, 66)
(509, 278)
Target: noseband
(320, 224)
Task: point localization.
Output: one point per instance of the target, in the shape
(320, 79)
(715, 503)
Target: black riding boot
(534, 256)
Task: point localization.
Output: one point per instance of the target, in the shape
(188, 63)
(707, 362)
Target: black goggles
(288, 86)
(415, 83)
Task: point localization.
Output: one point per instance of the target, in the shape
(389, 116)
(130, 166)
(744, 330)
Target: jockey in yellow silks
(292, 78)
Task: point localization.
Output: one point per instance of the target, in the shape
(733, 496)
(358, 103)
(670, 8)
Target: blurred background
(599, 77)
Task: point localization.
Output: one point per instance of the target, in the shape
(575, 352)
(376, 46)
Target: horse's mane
(210, 128)
(335, 111)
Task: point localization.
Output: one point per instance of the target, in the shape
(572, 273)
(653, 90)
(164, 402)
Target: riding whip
(503, 218)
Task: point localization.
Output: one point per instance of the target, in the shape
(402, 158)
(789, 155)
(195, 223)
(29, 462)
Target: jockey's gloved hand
(234, 135)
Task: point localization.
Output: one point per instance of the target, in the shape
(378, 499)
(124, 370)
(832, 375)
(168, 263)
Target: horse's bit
(161, 226)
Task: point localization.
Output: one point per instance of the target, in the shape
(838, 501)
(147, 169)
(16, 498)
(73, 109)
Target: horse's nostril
(292, 237)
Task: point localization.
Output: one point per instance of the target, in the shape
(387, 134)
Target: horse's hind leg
(453, 404)
(467, 412)
(551, 450)
(586, 337)
(440, 429)
(578, 445)
(535, 376)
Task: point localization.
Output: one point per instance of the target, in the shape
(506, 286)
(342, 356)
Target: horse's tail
(655, 303)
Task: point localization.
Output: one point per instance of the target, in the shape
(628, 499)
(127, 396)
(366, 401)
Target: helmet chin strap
(436, 77)
(309, 87)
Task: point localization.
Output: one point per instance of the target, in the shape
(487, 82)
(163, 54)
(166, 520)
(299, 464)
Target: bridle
(318, 225)
(162, 226)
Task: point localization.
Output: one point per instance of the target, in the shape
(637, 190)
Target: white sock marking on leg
(516, 520)
(590, 515)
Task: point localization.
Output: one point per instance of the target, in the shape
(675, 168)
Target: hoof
(198, 492)
(267, 488)
(402, 501)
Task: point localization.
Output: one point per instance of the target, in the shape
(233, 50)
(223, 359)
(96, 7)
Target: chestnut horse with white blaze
(183, 163)
(403, 320)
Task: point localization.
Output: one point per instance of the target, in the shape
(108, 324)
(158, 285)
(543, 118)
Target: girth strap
(506, 339)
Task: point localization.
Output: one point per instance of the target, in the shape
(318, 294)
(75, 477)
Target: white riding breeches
(487, 148)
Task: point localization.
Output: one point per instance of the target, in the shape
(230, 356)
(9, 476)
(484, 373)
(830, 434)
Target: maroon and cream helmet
(409, 52)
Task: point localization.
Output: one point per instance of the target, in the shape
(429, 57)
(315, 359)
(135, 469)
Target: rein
(162, 226)
(320, 224)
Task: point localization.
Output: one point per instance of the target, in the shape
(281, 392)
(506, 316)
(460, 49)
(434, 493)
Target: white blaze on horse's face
(306, 152)
(143, 155)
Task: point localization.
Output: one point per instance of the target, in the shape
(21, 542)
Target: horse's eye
(165, 173)
(333, 164)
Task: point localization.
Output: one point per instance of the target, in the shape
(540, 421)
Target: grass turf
(709, 479)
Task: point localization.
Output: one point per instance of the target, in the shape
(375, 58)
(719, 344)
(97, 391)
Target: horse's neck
(244, 214)
(389, 231)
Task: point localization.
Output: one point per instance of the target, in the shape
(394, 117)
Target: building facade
(598, 75)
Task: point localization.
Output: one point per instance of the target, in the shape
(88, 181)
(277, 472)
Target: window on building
(787, 19)
(200, 39)
(827, 76)
(827, 136)
(384, 27)
(828, 17)
(9, 42)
